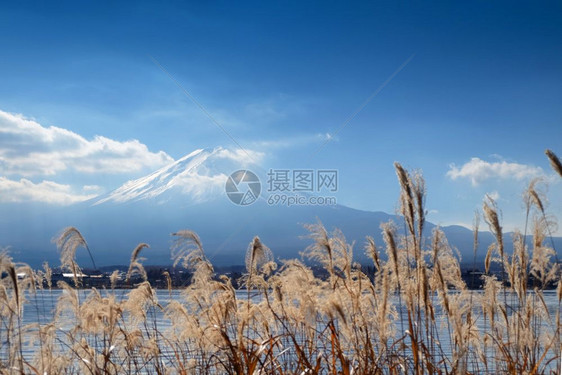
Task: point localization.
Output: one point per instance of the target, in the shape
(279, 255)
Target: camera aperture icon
(243, 187)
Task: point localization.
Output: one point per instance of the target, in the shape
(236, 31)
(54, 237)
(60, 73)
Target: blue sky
(474, 108)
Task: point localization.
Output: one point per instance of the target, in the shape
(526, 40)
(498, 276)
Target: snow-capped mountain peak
(200, 175)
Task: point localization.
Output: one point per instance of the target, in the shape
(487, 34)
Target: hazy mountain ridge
(188, 194)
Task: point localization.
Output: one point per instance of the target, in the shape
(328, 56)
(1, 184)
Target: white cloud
(242, 156)
(46, 191)
(29, 149)
(478, 170)
(93, 188)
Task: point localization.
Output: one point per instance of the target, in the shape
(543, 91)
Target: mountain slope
(189, 194)
(191, 175)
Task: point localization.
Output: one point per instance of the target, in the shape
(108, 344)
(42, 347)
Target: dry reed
(414, 314)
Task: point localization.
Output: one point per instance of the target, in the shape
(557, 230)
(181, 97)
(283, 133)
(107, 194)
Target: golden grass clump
(410, 312)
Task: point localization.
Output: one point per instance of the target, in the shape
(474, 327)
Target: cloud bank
(478, 171)
(29, 149)
(46, 191)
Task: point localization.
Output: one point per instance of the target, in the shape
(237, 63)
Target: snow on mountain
(200, 175)
(190, 194)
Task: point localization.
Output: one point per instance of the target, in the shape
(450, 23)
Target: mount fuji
(191, 176)
(190, 194)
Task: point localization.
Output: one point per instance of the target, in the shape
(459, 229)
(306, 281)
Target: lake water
(40, 309)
